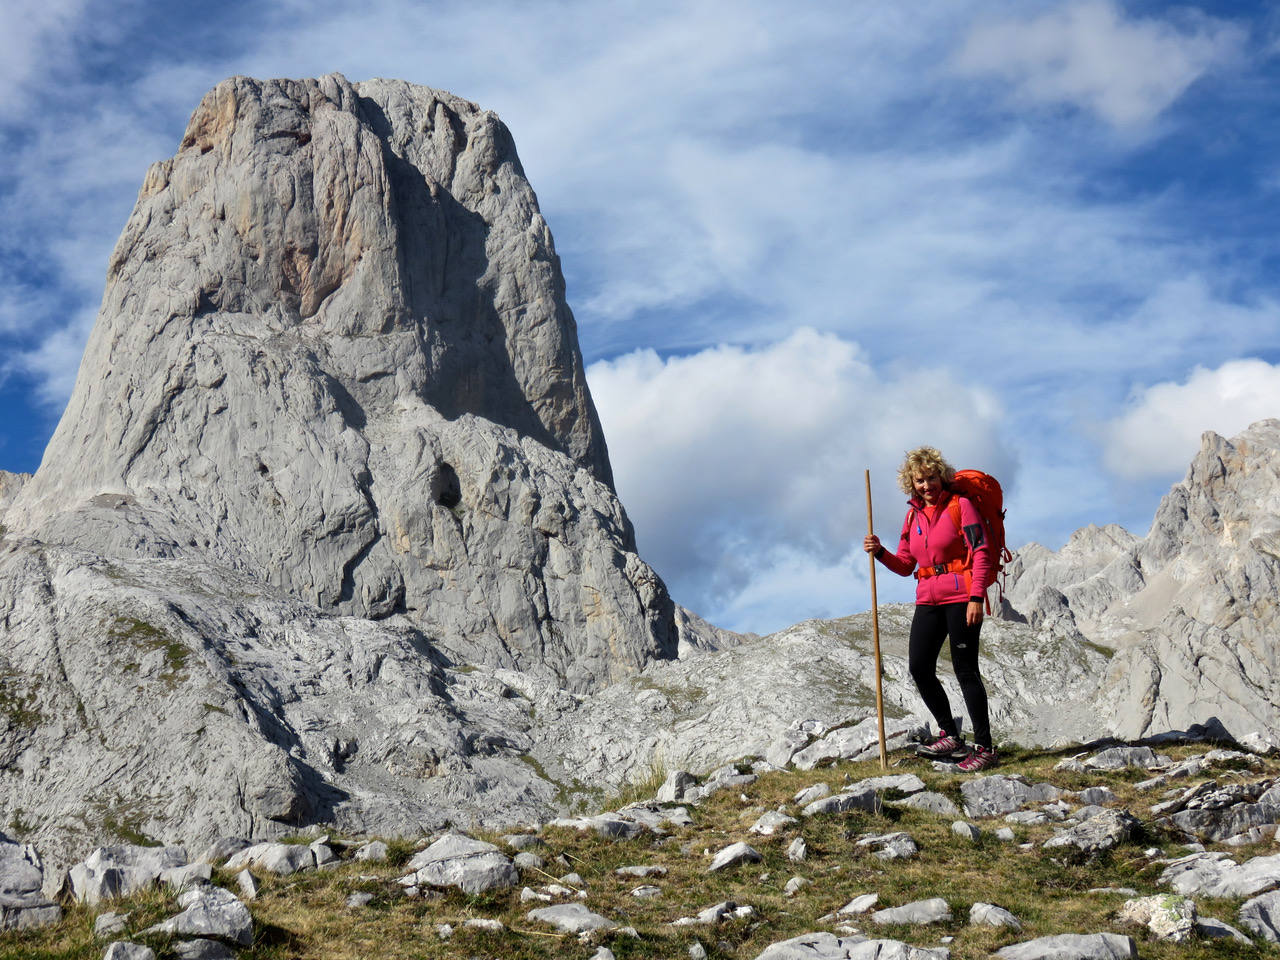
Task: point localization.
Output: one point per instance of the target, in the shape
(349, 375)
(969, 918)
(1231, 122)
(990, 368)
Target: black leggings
(929, 628)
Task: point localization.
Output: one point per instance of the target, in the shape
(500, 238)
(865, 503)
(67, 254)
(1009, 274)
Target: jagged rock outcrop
(334, 351)
(1191, 610)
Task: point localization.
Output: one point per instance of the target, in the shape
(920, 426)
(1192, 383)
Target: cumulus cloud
(1159, 432)
(742, 469)
(1087, 54)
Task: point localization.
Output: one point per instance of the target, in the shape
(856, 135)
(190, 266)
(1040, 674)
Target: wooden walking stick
(875, 632)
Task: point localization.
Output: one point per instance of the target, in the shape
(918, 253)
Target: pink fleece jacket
(929, 537)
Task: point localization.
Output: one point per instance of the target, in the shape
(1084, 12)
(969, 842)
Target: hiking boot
(979, 759)
(946, 747)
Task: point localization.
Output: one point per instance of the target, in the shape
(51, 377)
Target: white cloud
(33, 34)
(1088, 55)
(743, 468)
(1159, 432)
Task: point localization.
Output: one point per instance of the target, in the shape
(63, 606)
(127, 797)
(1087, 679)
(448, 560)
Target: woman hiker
(953, 564)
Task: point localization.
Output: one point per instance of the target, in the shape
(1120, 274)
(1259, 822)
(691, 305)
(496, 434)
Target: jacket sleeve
(902, 563)
(978, 539)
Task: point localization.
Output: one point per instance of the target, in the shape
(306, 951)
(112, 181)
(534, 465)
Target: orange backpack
(983, 491)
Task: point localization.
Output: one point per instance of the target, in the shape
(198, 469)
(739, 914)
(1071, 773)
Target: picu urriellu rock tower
(331, 439)
(334, 350)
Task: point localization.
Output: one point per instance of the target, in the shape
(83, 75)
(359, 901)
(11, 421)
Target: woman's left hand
(973, 613)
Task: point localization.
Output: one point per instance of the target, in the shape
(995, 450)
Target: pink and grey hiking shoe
(980, 759)
(946, 747)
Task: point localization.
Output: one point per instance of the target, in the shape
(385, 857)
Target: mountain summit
(334, 352)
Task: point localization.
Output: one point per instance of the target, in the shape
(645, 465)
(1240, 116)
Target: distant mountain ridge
(1192, 610)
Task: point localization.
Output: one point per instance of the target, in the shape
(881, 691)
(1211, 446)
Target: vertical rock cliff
(329, 473)
(334, 352)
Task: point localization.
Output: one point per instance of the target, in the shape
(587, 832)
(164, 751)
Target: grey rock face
(1190, 608)
(1072, 946)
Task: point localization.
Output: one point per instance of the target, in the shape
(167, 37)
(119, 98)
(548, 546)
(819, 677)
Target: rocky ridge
(1190, 609)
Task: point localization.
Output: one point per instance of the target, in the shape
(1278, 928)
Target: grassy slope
(305, 916)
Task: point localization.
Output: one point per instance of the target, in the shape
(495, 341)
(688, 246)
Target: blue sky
(798, 239)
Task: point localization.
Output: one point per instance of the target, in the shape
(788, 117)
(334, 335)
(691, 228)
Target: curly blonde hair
(921, 462)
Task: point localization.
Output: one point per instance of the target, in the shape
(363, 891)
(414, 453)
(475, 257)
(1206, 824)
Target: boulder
(859, 904)
(120, 870)
(571, 918)
(811, 793)
(988, 914)
(919, 912)
(1261, 915)
(1168, 917)
(110, 923)
(890, 846)
(674, 787)
(210, 912)
(867, 800)
(1211, 928)
(124, 950)
(1097, 834)
(22, 902)
(202, 949)
(456, 860)
(770, 822)
(278, 858)
(1214, 875)
(1072, 946)
(930, 802)
(1118, 758)
(842, 744)
(732, 856)
(827, 946)
(995, 795)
